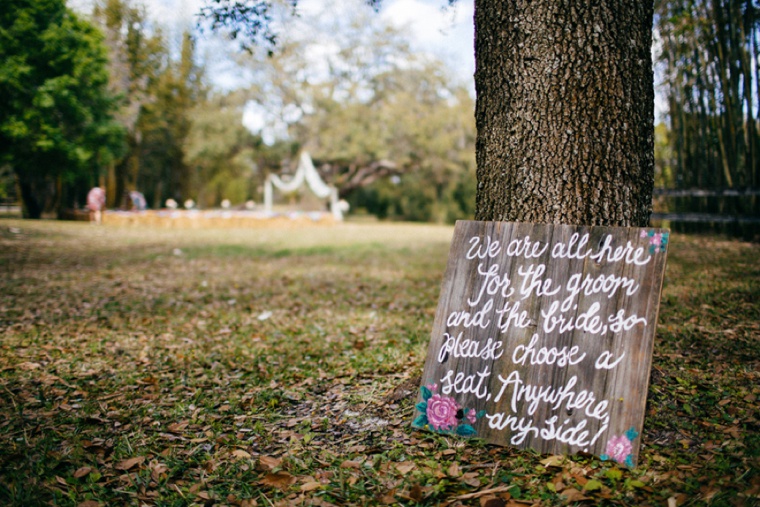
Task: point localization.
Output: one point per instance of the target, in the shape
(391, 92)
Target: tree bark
(565, 111)
(33, 194)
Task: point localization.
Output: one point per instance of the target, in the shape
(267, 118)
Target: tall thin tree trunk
(755, 175)
(750, 129)
(32, 194)
(711, 88)
(720, 47)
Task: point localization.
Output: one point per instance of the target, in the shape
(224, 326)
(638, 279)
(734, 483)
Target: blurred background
(143, 96)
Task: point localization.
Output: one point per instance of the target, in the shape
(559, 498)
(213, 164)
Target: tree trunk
(565, 111)
(33, 193)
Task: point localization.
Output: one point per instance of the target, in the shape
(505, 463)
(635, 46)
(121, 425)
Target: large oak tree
(565, 111)
(565, 106)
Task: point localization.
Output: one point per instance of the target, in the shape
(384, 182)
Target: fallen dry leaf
(553, 461)
(241, 454)
(280, 480)
(416, 493)
(484, 493)
(81, 472)
(405, 467)
(129, 463)
(471, 481)
(28, 366)
(177, 427)
(157, 470)
(269, 463)
(573, 495)
(310, 486)
(89, 503)
(491, 501)
(454, 470)
(387, 499)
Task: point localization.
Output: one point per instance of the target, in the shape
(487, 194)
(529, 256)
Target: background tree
(391, 129)
(137, 55)
(709, 54)
(221, 153)
(164, 124)
(56, 128)
(564, 108)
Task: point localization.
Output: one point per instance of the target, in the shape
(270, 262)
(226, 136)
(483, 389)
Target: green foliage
(135, 58)
(411, 197)
(663, 157)
(7, 182)
(164, 125)
(55, 116)
(157, 92)
(708, 52)
(368, 108)
(220, 151)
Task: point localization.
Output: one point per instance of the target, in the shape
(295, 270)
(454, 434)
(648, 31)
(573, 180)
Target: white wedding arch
(305, 173)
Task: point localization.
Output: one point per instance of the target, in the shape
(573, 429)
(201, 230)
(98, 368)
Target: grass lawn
(280, 367)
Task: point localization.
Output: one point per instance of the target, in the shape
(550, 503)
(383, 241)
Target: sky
(433, 27)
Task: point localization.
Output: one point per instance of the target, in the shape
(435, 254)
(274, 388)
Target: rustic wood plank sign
(543, 337)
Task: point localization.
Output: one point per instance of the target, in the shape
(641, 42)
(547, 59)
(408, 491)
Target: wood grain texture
(521, 289)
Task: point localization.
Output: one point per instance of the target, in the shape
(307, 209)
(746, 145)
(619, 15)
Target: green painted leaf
(466, 430)
(426, 393)
(422, 407)
(420, 421)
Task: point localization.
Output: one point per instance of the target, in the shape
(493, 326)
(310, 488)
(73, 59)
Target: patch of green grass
(239, 367)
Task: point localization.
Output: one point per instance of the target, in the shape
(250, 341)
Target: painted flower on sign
(442, 412)
(619, 448)
(444, 415)
(658, 241)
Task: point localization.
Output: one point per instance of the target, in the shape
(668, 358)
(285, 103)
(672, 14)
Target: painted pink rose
(442, 412)
(472, 416)
(618, 448)
(643, 234)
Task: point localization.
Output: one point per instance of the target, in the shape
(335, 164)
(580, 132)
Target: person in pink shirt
(96, 203)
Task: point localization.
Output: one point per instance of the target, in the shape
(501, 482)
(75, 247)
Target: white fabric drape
(305, 171)
(308, 173)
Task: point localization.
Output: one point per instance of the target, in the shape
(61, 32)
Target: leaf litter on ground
(271, 368)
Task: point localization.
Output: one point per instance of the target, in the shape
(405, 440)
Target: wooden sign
(543, 337)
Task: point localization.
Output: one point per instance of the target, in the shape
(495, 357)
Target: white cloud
(174, 11)
(446, 32)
